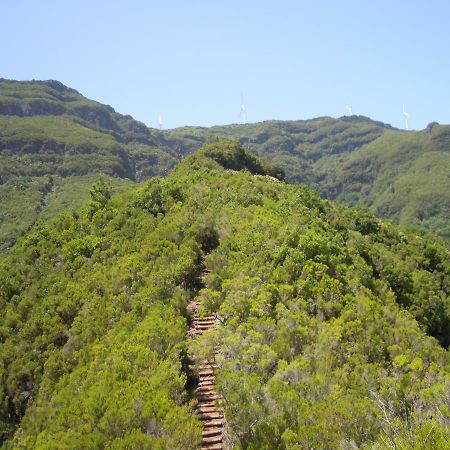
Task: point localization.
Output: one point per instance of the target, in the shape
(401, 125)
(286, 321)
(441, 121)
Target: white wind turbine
(160, 121)
(243, 111)
(406, 116)
(349, 110)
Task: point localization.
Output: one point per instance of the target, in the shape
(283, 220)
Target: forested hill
(334, 324)
(54, 144)
(400, 175)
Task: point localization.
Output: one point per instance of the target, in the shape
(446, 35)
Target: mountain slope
(333, 334)
(50, 134)
(404, 176)
(400, 175)
(53, 139)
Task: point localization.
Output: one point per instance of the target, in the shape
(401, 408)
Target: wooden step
(213, 423)
(207, 365)
(212, 446)
(209, 410)
(211, 386)
(206, 409)
(204, 391)
(206, 379)
(207, 404)
(205, 373)
(211, 416)
(212, 439)
(208, 397)
(212, 431)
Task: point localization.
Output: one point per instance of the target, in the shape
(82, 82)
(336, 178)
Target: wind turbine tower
(349, 110)
(160, 121)
(406, 116)
(243, 111)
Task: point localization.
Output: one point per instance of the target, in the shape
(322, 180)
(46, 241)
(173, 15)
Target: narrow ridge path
(208, 409)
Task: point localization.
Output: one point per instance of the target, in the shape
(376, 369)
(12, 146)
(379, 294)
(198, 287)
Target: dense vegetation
(50, 134)
(403, 176)
(335, 325)
(399, 175)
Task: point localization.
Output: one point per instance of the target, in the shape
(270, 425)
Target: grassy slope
(42, 129)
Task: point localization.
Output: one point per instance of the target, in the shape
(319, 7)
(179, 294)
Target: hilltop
(333, 324)
(54, 144)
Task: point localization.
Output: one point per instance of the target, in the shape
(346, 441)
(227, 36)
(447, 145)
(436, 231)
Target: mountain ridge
(87, 138)
(329, 317)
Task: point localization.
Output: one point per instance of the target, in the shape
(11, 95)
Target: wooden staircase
(208, 409)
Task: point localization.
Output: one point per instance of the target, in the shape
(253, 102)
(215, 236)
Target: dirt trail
(208, 408)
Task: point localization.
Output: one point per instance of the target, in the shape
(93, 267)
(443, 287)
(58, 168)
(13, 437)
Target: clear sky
(191, 60)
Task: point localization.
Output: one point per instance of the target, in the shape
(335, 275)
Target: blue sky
(191, 60)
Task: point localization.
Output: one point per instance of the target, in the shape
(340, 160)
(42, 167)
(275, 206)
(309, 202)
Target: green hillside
(334, 325)
(404, 176)
(400, 175)
(295, 145)
(52, 138)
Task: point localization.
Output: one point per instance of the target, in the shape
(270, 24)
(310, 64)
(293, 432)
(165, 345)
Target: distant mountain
(398, 174)
(294, 145)
(54, 144)
(332, 332)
